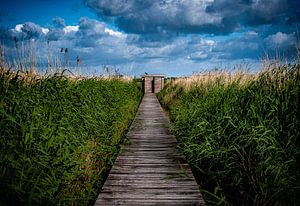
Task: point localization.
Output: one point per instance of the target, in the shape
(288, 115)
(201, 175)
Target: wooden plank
(171, 196)
(149, 178)
(141, 185)
(133, 160)
(148, 202)
(149, 191)
(149, 169)
(151, 201)
(125, 155)
(149, 172)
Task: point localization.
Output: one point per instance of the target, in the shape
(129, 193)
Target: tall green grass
(241, 134)
(58, 136)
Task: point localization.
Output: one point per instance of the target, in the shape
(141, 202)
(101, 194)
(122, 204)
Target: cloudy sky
(175, 37)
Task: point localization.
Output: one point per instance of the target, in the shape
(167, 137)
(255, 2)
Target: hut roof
(153, 75)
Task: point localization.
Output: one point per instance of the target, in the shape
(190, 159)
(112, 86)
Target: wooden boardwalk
(149, 170)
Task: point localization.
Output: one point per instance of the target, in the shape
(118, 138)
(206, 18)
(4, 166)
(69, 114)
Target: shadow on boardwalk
(149, 170)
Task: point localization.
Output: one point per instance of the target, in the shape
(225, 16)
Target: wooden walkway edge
(149, 170)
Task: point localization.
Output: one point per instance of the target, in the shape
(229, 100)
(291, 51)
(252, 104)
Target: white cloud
(281, 39)
(251, 33)
(83, 50)
(69, 29)
(114, 33)
(198, 55)
(195, 13)
(45, 30)
(208, 42)
(18, 27)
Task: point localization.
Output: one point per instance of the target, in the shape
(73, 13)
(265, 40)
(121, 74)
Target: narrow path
(149, 170)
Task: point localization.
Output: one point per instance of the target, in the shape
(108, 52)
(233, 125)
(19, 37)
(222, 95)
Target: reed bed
(60, 135)
(240, 133)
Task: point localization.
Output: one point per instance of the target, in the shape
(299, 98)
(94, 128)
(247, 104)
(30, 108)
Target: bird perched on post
(78, 60)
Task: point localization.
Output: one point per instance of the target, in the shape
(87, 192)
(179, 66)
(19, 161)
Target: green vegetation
(240, 133)
(59, 136)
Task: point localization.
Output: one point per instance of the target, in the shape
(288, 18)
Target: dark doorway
(152, 85)
(143, 85)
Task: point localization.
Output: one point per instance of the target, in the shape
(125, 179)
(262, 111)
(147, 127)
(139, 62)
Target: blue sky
(175, 37)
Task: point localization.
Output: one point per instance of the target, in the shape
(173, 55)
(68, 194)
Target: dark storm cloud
(194, 16)
(59, 22)
(55, 34)
(25, 31)
(295, 11)
(32, 30)
(252, 45)
(249, 45)
(90, 30)
(257, 12)
(7, 37)
(267, 12)
(142, 17)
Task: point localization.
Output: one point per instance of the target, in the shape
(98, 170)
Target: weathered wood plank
(150, 178)
(150, 201)
(149, 169)
(171, 196)
(147, 202)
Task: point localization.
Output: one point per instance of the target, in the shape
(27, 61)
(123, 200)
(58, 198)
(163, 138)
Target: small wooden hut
(153, 83)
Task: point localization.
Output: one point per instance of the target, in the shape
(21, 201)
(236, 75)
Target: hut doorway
(153, 85)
